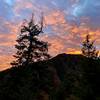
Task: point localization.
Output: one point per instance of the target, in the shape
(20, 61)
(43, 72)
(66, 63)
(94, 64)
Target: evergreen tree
(88, 49)
(29, 47)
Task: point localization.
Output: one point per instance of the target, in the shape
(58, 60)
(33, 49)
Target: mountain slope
(70, 77)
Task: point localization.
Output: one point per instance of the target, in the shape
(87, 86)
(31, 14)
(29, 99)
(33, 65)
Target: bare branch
(41, 23)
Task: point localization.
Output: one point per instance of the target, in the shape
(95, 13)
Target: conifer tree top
(88, 48)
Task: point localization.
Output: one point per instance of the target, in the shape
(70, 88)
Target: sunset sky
(66, 23)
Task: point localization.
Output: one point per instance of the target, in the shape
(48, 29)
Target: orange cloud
(22, 5)
(8, 39)
(68, 38)
(5, 61)
(7, 42)
(54, 18)
(71, 35)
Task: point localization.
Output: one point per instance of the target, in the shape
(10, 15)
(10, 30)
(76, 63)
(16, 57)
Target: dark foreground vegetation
(64, 77)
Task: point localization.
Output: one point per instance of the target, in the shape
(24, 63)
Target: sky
(66, 23)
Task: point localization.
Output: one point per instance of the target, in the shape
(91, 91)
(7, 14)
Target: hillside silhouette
(64, 77)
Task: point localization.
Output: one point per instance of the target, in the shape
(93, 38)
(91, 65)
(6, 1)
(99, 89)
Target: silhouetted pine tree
(29, 47)
(88, 49)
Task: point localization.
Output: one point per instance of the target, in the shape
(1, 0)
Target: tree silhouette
(88, 49)
(29, 47)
